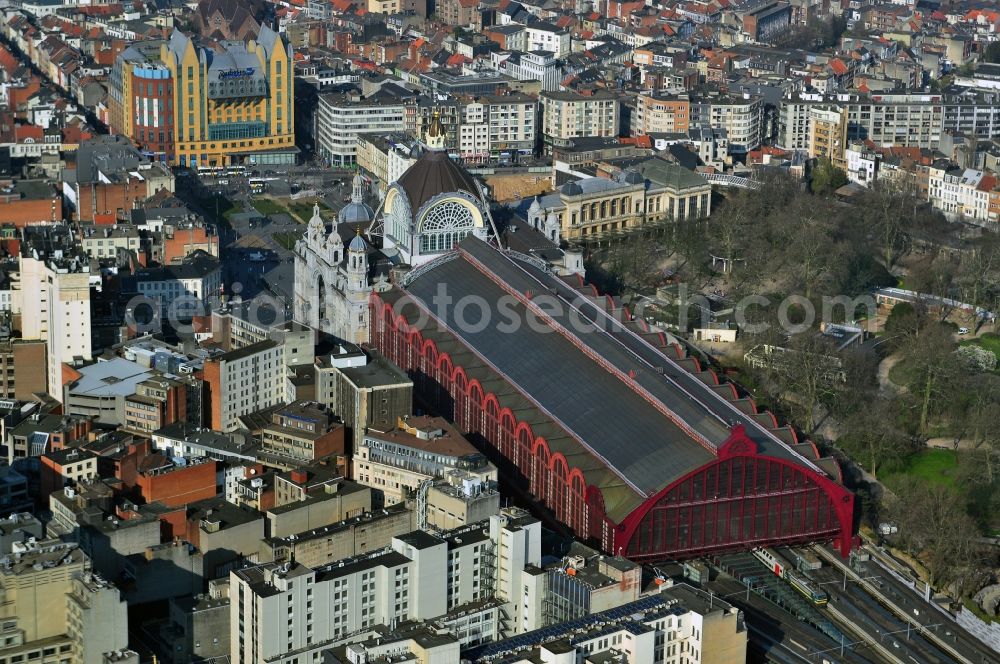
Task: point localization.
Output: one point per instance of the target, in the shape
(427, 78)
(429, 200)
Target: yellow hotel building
(233, 104)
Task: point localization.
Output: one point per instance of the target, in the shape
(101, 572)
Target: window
(444, 226)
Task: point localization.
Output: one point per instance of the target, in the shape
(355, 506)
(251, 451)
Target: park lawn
(932, 465)
(304, 210)
(267, 206)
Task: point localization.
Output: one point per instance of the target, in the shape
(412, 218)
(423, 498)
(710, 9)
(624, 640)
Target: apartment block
(363, 388)
(244, 381)
(467, 579)
(182, 289)
(567, 115)
(341, 118)
(661, 113)
(55, 610)
(741, 117)
(426, 455)
(346, 538)
(23, 368)
(59, 289)
(60, 468)
(677, 625)
(828, 135)
(300, 433)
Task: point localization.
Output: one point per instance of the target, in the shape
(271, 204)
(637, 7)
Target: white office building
(341, 118)
(57, 293)
(471, 581)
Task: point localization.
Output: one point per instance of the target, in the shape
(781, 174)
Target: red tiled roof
(988, 183)
(838, 67)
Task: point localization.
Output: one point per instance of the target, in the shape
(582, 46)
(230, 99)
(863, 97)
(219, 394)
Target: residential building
(341, 118)
(19, 529)
(763, 20)
(585, 582)
(862, 165)
(347, 538)
(65, 467)
(401, 462)
(741, 116)
(461, 13)
(300, 433)
(314, 496)
(677, 624)
(39, 432)
(234, 105)
(110, 178)
(481, 128)
(385, 158)
(105, 242)
(540, 66)
(160, 401)
(57, 610)
(181, 289)
(13, 491)
(176, 485)
(30, 202)
(567, 115)
(468, 573)
(960, 193)
(23, 371)
(59, 290)
(543, 36)
(661, 113)
(364, 389)
(828, 135)
(244, 381)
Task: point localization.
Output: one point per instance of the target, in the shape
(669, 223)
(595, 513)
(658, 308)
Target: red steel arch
(742, 498)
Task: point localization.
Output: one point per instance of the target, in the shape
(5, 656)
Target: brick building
(29, 202)
(175, 486)
(60, 468)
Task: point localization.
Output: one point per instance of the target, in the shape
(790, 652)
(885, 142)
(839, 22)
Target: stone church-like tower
(332, 285)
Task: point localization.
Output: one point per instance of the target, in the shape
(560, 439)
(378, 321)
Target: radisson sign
(228, 74)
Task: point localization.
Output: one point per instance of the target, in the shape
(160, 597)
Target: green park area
(300, 211)
(932, 465)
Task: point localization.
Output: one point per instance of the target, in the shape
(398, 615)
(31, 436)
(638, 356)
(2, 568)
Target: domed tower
(357, 263)
(535, 214)
(334, 248)
(357, 212)
(551, 229)
(434, 140)
(357, 291)
(316, 230)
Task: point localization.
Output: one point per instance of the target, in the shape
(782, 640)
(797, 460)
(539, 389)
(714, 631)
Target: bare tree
(887, 211)
(933, 368)
(873, 436)
(808, 374)
(934, 525)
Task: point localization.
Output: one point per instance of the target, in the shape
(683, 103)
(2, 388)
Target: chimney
(300, 476)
